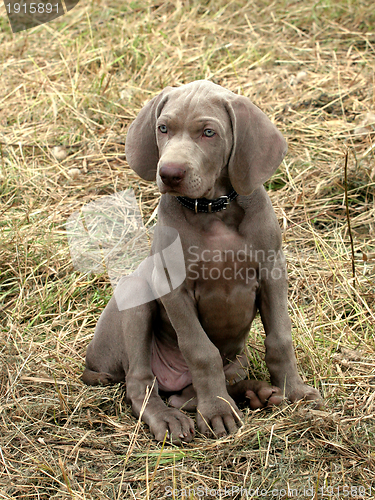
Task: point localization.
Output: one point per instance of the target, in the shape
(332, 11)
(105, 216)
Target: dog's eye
(163, 129)
(209, 132)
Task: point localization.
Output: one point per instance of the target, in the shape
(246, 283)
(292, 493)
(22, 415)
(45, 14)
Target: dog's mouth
(175, 192)
(171, 191)
(181, 190)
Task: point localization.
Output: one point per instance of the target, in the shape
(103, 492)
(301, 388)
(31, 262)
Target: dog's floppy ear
(258, 147)
(141, 149)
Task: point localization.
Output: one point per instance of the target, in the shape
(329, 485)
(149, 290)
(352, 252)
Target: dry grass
(78, 82)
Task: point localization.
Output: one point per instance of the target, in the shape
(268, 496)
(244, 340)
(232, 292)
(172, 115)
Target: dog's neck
(208, 205)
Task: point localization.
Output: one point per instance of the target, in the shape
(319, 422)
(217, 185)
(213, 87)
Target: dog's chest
(221, 270)
(221, 254)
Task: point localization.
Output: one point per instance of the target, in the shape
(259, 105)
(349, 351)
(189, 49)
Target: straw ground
(77, 83)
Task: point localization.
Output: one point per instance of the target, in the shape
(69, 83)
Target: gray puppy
(210, 152)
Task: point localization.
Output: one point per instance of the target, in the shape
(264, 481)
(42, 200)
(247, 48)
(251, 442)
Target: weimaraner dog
(210, 151)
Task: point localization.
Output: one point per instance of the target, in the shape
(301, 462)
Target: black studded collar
(208, 206)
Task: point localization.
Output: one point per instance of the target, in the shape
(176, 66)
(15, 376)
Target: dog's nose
(171, 174)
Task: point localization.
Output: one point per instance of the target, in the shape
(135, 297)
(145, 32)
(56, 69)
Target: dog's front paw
(174, 423)
(218, 417)
(306, 393)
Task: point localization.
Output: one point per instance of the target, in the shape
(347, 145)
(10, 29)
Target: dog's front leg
(280, 356)
(140, 379)
(217, 413)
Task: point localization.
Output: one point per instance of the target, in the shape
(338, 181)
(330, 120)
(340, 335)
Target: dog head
(187, 138)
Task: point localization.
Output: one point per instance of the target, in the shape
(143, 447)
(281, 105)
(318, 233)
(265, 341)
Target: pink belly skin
(170, 368)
